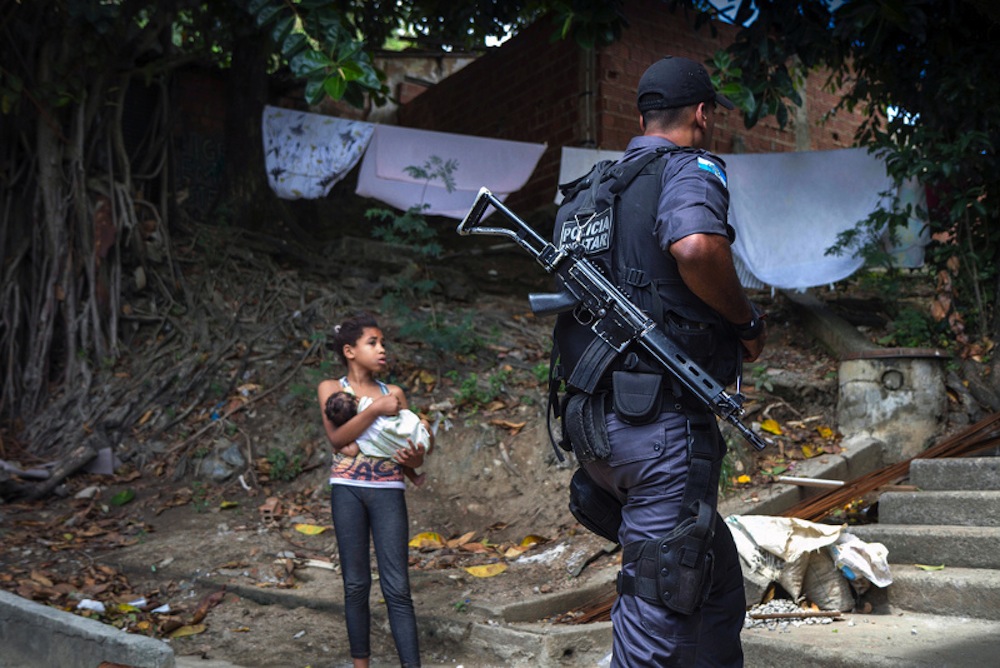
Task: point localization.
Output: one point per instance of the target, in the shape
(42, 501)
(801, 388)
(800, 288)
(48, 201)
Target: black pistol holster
(676, 569)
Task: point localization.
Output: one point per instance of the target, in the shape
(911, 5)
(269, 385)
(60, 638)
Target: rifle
(599, 304)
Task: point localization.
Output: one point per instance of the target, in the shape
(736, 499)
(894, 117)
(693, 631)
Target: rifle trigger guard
(583, 315)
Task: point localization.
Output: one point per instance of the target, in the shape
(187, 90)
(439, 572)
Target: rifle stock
(599, 304)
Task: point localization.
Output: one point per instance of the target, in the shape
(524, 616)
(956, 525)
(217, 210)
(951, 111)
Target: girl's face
(368, 351)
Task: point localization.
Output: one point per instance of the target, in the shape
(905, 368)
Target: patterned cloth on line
(306, 154)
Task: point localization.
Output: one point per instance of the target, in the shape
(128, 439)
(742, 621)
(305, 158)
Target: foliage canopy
(87, 207)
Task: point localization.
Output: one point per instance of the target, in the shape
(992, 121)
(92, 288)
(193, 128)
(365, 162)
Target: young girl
(367, 495)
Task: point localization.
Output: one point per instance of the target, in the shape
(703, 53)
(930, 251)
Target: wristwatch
(749, 331)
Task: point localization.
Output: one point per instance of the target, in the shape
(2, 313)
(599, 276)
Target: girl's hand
(412, 456)
(386, 404)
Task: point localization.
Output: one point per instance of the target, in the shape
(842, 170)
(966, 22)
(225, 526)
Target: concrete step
(959, 473)
(899, 640)
(964, 508)
(951, 591)
(960, 546)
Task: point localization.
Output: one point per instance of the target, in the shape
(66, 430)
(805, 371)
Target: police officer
(649, 464)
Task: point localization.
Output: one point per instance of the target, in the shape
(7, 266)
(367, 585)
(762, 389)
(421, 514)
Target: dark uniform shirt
(696, 201)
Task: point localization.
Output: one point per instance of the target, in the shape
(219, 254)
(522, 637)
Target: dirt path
(238, 579)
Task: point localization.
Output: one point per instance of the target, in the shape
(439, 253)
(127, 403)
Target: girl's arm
(347, 433)
(413, 456)
(397, 391)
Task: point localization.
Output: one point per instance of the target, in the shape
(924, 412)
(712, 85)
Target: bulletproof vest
(611, 213)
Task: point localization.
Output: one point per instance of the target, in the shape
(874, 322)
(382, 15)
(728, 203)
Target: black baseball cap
(677, 82)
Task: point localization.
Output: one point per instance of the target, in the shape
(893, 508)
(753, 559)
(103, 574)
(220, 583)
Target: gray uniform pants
(646, 472)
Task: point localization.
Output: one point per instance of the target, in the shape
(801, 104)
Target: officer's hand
(754, 347)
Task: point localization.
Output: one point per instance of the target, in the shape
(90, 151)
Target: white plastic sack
(777, 549)
(858, 559)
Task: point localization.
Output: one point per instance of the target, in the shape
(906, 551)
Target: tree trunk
(245, 190)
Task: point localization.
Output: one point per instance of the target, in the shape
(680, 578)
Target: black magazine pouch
(637, 396)
(583, 422)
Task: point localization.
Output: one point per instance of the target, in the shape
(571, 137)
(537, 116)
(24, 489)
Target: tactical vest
(612, 212)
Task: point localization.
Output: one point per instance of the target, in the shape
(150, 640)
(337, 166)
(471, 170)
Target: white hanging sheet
(500, 165)
(575, 162)
(306, 154)
(788, 209)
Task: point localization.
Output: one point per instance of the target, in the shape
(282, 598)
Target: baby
(386, 435)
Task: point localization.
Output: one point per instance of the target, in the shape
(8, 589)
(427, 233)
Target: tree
(87, 203)
(923, 72)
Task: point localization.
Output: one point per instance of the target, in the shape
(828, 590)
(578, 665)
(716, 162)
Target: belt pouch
(637, 396)
(583, 421)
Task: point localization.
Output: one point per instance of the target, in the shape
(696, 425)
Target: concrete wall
(36, 635)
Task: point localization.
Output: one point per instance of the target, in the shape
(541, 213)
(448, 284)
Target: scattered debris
(779, 614)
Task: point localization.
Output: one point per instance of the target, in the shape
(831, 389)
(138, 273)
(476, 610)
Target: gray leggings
(381, 513)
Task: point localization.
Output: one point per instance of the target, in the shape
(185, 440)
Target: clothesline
(306, 154)
(788, 208)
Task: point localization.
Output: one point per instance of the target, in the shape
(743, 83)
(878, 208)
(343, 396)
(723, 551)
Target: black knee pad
(594, 507)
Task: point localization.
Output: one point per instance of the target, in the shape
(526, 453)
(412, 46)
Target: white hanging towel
(386, 170)
(575, 162)
(788, 209)
(306, 154)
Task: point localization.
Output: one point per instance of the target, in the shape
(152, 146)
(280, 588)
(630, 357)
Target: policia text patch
(593, 234)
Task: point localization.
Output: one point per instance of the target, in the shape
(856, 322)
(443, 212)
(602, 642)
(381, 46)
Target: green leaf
(335, 87)
(350, 71)
(122, 497)
(282, 29)
(314, 91)
(310, 62)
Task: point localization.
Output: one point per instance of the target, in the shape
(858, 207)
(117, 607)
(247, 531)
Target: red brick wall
(527, 90)
(531, 89)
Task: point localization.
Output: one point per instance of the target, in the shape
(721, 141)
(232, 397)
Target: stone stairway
(944, 614)
(954, 522)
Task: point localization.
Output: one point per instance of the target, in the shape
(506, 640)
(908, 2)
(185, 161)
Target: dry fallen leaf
(824, 431)
(925, 567)
(513, 427)
(188, 630)
(207, 604)
(309, 529)
(486, 570)
(427, 539)
(461, 540)
(809, 451)
(771, 426)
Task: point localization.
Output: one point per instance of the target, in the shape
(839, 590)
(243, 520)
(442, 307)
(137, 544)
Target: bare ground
(236, 560)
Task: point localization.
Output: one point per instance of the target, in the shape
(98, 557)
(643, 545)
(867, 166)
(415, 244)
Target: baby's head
(340, 407)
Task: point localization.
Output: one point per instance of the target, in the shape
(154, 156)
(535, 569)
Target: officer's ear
(642, 124)
(701, 114)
